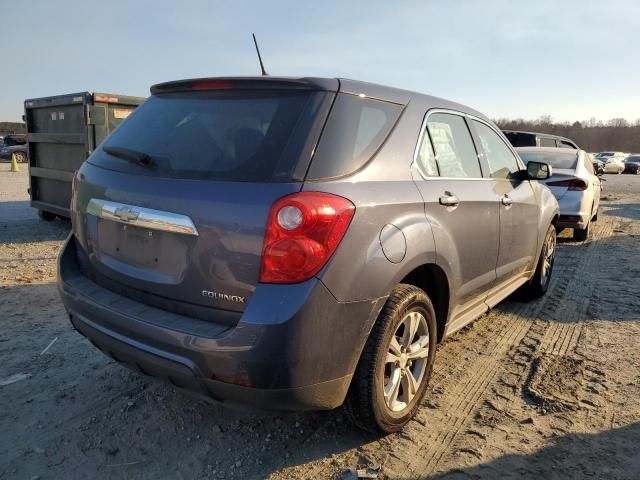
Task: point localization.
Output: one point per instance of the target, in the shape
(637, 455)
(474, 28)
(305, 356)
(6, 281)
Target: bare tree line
(591, 135)
(12, 127)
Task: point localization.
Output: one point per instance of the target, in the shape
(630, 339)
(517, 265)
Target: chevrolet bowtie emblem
(126, 214)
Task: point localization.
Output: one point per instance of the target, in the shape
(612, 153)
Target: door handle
(449, 200)
(506, 200)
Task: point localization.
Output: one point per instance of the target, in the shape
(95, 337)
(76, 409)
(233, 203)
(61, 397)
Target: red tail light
(572, 184)
(303, 231)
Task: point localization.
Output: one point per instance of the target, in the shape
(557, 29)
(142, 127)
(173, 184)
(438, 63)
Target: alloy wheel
(549, 254)
(406, 361)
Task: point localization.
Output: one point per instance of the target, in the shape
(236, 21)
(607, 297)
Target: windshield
(560, 159)
(633, 159)
(236, 135)
(604, 154)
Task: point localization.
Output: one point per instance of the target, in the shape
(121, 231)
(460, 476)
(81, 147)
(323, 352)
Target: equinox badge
(223, 296)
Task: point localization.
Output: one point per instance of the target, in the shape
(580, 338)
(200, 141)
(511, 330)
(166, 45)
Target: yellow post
(14, 163)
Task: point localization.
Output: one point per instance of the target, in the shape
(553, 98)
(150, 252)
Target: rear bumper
(573, 221)
(575, 210)
(294, 348)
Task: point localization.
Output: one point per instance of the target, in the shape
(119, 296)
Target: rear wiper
(130, 155)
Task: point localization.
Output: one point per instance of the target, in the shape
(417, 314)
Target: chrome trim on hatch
(142, 217)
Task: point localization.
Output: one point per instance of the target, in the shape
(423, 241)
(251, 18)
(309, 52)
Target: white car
(614, 161)
(573, 182)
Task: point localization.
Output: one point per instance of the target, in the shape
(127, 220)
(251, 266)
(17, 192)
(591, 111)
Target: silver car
(614, 161)
(574, 183)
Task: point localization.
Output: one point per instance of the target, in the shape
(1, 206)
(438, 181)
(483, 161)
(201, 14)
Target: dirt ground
(549, 389)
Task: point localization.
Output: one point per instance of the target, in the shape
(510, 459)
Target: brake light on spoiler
(217, 84)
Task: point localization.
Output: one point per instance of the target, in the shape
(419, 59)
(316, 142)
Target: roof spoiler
(247, 83)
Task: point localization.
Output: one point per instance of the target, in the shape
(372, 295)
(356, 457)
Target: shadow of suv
(295, 243)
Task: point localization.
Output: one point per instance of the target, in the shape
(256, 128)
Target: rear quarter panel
(549, 210)
(384, 194)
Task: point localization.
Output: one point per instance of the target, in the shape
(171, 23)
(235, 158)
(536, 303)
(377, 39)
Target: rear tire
(370, 403)
(21, 157)
(46, 216)
(580, 235)
(539, 283)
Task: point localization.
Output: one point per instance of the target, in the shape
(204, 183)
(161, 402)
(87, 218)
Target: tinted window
(355, 129)
(557, 159)
(455, 153)
(547, 142)
(519, 139)
(502, 161)
(237, 135)
(11, 141)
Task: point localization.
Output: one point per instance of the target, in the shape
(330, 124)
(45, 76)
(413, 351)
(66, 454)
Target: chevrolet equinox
(300, 243)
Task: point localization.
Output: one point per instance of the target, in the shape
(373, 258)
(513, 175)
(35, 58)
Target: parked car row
(603, 162)
(613, 161)
(619, 162)
(14, 144)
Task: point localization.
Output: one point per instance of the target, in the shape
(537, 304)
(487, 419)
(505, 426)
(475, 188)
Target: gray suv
(300, 243)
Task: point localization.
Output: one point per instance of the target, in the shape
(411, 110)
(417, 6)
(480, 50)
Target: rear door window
(355, 130)
(455, 153)
(502, 161)
(235, 135)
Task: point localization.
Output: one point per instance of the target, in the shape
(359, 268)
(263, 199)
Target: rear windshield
(561, 159)
(236, 135)
(633, 159)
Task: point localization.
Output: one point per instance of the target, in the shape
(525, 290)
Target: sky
(572, 60)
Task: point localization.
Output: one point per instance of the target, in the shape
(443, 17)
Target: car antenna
(255, 42)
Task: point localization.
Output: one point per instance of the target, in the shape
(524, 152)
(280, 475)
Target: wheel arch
(434, 282)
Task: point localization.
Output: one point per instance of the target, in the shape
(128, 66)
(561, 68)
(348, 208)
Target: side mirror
(538, 170)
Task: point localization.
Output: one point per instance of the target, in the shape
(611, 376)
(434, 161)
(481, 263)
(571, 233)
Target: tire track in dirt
(563, 334)
(542, 336)
(467, 396)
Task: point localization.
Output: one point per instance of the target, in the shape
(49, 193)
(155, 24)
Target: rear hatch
(171, 209)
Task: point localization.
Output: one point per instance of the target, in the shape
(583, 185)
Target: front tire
(21, 157)
(539, 283)
(395, 366)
